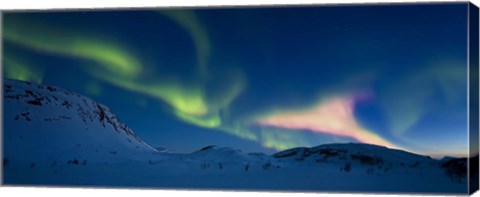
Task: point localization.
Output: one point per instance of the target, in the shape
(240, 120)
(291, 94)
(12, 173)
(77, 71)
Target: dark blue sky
(260, 79)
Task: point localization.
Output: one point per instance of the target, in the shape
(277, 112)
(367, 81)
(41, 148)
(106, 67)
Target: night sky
(260, 79)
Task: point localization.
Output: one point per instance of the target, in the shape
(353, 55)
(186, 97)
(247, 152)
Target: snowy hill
(369, 155)
(56, 137)
(45, 123)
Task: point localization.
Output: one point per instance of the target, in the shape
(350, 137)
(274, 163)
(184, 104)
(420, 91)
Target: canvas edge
(473, 97)
(236, 6)
(1, 96)
(473, 73)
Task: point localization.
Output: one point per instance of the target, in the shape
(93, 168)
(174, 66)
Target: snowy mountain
(46, 123)
(57, 137)
(366, 154)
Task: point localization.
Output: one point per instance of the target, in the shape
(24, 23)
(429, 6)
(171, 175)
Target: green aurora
(206, 99)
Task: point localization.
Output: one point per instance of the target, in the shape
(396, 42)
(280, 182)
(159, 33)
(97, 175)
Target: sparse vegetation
(51, 89)
(347, 167)
(36, 101)
(366, 159)
(415, 164)
(205, 166)
(101, 113)
(300, 159)
(26, 115)
(456, 169)
(267, 165)
(77, 162)
(288, 154)
(207, 147)
(220, 166)
(29, 92)
(328, 153)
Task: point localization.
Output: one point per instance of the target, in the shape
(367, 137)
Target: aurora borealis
(259, 79)
(334, 116)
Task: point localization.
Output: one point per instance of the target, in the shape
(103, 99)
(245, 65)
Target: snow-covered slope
(365, 154)
(56, 137)
(48, 124)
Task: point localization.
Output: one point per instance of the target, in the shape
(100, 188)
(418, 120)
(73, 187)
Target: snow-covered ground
(56, 137)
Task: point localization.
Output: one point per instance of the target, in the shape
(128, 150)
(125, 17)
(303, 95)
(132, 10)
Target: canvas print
(370, 98)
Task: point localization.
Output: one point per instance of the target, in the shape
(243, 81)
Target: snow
(45, 123)
(59, 138)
